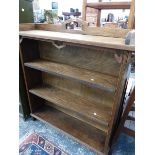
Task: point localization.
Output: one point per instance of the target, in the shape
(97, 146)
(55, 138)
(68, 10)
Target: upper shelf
(110, 5)
(93, 78)
(100, 41)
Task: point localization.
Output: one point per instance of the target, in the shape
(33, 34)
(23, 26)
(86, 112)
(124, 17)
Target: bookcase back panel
(77, 88)
(97, 125)
(100, 60)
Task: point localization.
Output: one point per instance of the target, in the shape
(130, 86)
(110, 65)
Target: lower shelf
(82, 132)
(82, 106)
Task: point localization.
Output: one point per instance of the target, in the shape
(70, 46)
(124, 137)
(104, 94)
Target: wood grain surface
(131, 19)
(75, 87)
(76, 115)
(108, 42)
(95, 59)
(93, 111)
(96, 31)
(82, 132)
(109, 5)
(26, 26)
(93, 78)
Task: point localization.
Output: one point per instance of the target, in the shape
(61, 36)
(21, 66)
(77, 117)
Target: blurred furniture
(73, 12)
(128, 117)
(98, 6)
(131, 19)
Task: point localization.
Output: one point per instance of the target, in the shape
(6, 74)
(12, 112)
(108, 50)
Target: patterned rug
(35, 144)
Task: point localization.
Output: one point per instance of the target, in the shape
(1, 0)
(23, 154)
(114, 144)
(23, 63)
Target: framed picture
(54, 5)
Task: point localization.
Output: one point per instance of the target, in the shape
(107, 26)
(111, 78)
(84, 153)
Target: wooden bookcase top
(100, 41)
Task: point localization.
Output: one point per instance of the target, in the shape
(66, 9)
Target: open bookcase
(75, 82)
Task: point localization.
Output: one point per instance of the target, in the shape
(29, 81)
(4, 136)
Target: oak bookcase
(75, 82)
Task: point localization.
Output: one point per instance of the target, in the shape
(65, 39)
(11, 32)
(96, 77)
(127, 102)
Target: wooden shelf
(84, 119)
(97, 113)
(92, 78)
(109, 5)
(82, 132)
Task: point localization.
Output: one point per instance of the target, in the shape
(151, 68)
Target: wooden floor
(98, 114)
(93, 78)
(83, 132)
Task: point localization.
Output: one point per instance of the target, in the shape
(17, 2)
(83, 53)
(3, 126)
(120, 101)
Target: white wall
(45, 4)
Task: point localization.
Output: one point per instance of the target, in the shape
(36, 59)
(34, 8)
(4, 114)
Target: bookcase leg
(34, 119)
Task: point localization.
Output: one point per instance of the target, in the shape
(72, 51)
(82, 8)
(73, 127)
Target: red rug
(35, 144)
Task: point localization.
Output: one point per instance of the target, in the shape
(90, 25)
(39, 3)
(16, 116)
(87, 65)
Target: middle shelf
(98, 114)
(96, 79)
